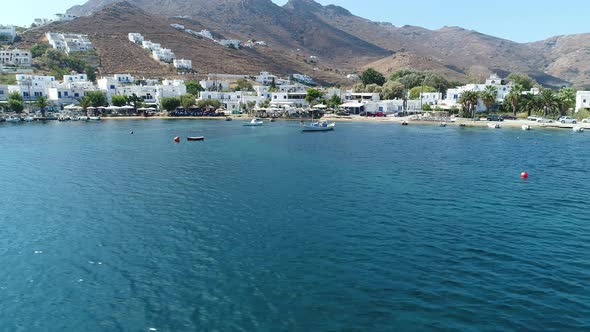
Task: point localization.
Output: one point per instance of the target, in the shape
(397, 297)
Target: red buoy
(177, 139)
(524, 175)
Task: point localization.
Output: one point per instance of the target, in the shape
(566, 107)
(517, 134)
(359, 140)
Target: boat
(404, 123)
(228, 118)
(317, 126)
(442, 124)
(28, 119)
(525, 127)
(578, 129)
(13, 119)
(95, 118)
(494, 125)
(83, 118)
(195, 138)
(256, 122)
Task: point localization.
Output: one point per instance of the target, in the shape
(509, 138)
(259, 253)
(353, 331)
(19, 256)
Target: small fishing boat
(525, 127)
(578, 129)
(195, 138)
(13, 119)
(494, 125)
(317, 126)
(94, 118)
(28, 119)
(256, 122)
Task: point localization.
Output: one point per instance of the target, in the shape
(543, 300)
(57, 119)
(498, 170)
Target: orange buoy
(524, 175)
(177, 139)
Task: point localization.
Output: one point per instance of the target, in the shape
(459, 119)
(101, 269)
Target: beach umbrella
(112, 108)
(320, 106)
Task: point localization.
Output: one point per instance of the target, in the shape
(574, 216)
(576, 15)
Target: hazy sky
(519, 20)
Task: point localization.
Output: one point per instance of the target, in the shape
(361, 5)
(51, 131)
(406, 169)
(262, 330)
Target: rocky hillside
(342, 41)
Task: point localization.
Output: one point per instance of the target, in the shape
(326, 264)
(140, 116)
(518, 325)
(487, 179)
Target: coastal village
(262, 94)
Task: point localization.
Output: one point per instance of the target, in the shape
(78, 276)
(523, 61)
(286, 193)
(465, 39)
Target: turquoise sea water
(372, 227)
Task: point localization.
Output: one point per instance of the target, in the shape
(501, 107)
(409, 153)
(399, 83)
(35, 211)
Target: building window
(112, 87)
(65, 93)
(76, 95)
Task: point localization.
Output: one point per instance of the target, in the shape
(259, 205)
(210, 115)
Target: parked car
(567, 119)
(494, 117)
(586, 120)
(543, 120)
(533, 118)
(380, 114)
(509, 117)
(342, 113)
(366, 114)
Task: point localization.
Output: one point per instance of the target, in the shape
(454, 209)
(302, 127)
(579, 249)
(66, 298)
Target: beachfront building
(582, 100)
(15, 57)
(7, 33)
(182, 64)
(69, 42)
(430, 98)
(110, 84)
(292, 99)
(453, 95)
(136, 38)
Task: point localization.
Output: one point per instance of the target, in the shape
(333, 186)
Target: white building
(110, 84)
(136, 38)
(75, 78)
(361, 96)
(267, 78)
(231, 101)
(582, 100)
(7, 33)
(15, 57)
(210, 85)
(42, 21)
(183, 64)
(232, 43)
(64, 17)
(430, 98)
(303, 78)
(69, 42)
(453, 95)
(150, 46)
(164, 55)
(3, 92)
(206, 34)
(36, 80)
(293, 99)
(177, 26)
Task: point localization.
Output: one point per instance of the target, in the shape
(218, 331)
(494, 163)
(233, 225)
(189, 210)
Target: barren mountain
(343, 41)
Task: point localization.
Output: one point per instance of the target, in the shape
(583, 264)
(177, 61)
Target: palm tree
(567, 99)
(533, 104)
(514, 97)
(42, 103)
(488, 96)
(469, 100)
(549, 101)
(85, 102)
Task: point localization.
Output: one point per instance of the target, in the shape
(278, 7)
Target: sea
(371, 227)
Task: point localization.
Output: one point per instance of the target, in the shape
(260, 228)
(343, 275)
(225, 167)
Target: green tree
(334, 101)
(89, 71)
(212, 103)
(187, 100)
(392, 90)
(313, 95)
(42, 102)
(273, 84)
(549, 101)
(15, 96)
(469, 100)
(371, 76)
(16, 105)
(567, 100)
(135, 101)
(411, 78)
(525, 82)
(38, 50)
(170, 103)
(193, 87)
(85, 102)
(533, 104)
(96, 98)
(415, 91)
(514, 98)
(118, 100)
(243, 84)
(488, 96)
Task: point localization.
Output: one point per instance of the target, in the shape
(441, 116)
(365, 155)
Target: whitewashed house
(7, 33)
(231, 101)
(69, 42)
(582, 100)
(303, 78)
(64, 17)
(267, 78)
(210, 85)
(41, 21)
(206, 34)
(177, 26)
(430, 98)
(16, 57)
(293, 99)
(453, 95)
(182, 64)
(232, 43)
(110, 84)
(136, 38)
(164, 55)
(148, 45)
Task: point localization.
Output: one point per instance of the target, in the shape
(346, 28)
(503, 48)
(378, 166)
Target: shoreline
(392, 120)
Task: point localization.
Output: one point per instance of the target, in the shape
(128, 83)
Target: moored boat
(13, 119)
(525, 127)
(228, 118)
(95, 118)
(28, 119)
(195, 138)
(256, 122)
(494, 125)
(317, 126)
(578, 129)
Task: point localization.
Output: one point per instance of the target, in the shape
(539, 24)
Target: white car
(586, 120)
(533, 118)
(543, 120)
(567, 119)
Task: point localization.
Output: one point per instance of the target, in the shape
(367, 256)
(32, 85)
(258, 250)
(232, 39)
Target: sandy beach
(393, 120)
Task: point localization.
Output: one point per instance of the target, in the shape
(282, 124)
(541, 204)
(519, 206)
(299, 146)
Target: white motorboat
(494, 125)
(95, 118)
(256, 122)
(28, 119)
(13, 119)
(525, 127)
(317, 126)
(578, 129)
